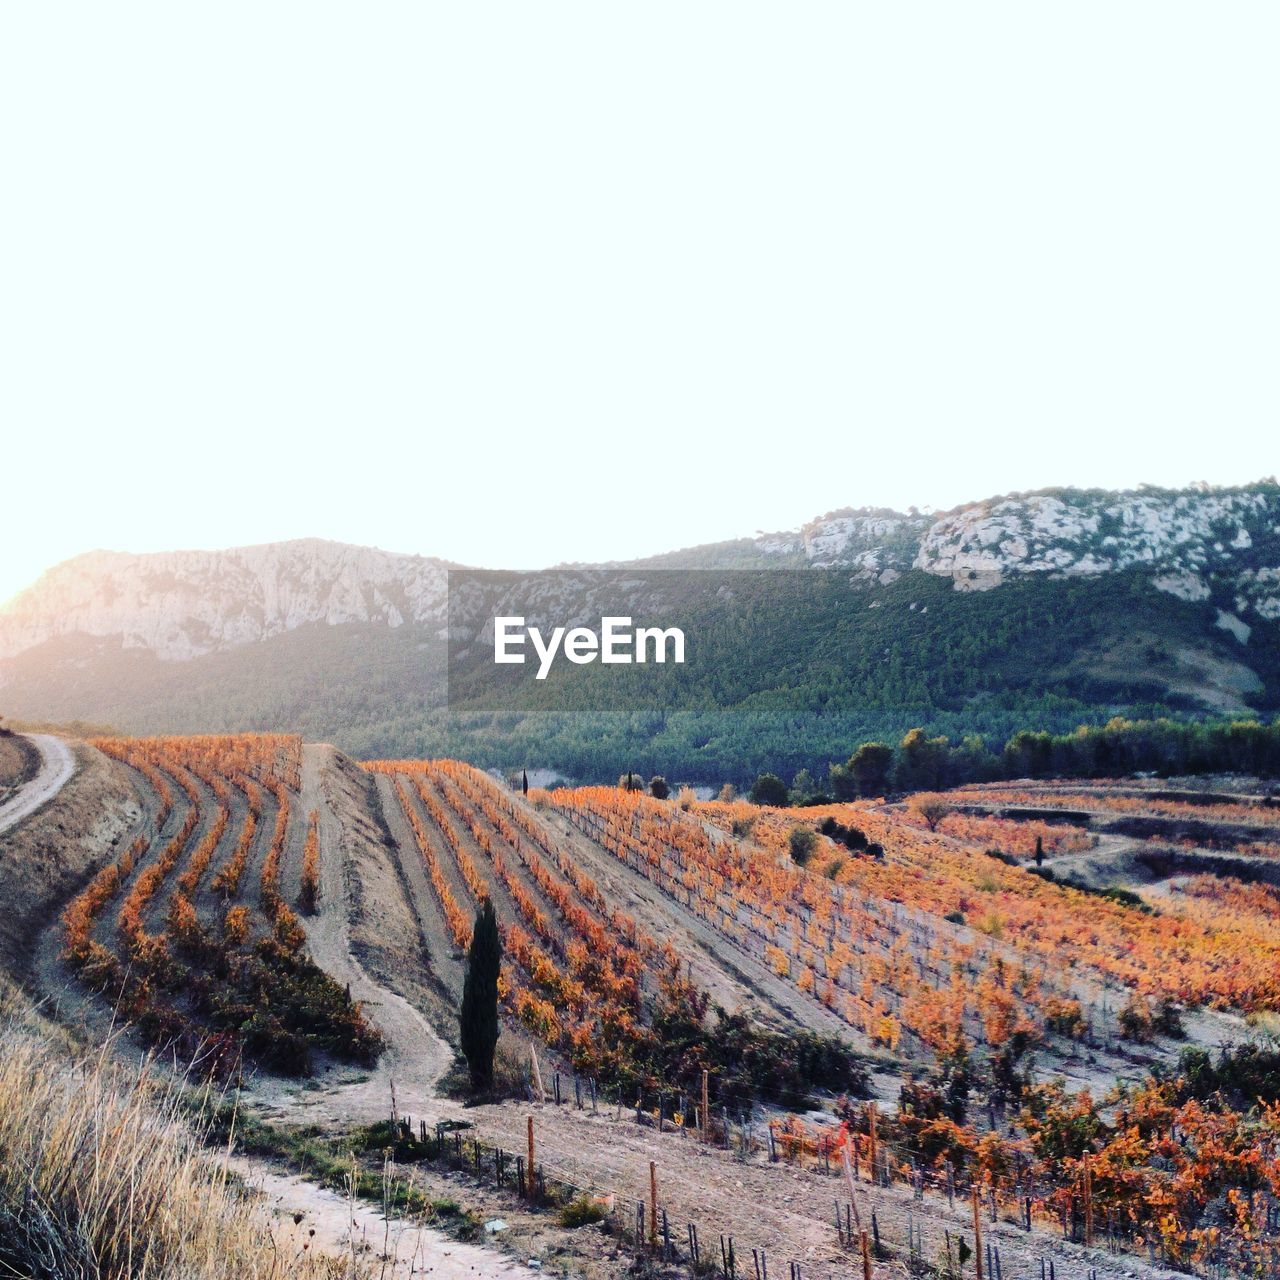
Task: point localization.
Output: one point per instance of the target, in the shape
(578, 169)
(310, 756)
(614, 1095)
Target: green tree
(658, 787)
(478, 1017)
(841, 783)
(804, 790)
(869, 768)
(922, 762)
(770, 789)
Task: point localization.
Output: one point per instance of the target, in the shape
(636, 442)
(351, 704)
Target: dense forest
(788, 673)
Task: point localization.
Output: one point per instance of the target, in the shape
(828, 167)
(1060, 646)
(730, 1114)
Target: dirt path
(416, 1056)
(57, 765)
(781, 1208)
(312, 1217)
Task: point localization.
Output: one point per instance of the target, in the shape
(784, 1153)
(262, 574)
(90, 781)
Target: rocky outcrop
(182, 604)
(1190, 540)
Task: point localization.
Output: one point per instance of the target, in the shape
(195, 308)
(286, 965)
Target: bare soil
(46, 858)
(19, 761)
(357, 883)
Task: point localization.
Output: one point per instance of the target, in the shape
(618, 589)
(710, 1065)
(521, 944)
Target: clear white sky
(517, 283)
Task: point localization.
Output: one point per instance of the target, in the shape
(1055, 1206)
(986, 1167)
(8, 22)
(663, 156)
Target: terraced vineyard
(187, 931)
(947, 948)
(1034, 1009)
(581, 974)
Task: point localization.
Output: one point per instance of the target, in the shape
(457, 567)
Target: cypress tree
(478, 1017)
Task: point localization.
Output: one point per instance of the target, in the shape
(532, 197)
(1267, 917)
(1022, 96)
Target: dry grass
(102, 1175)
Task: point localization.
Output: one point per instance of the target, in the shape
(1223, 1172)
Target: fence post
(531, 1165)
(1088, 1202)
(977, 1232)
(653, 1202)
(866, 1257)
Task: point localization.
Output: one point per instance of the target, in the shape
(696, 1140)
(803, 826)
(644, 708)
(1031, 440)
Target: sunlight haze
(515, 285)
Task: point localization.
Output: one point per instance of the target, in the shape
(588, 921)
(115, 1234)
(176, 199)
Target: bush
(1141, 1023)
(1243, 1074)
(852, 838)
(801, 842)
(511, 1067)
(658, 787)
(582, 1211)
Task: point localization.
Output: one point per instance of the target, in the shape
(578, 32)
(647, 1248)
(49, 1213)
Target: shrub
(1141, 1023)
(801, 842)
(582, 1211)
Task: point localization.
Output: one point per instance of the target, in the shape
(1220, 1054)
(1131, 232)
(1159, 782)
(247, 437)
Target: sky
(517, 284)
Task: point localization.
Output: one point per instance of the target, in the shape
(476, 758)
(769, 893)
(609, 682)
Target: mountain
(1046, 609)
(180, 605)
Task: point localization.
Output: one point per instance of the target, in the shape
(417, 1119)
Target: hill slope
(1047, 609)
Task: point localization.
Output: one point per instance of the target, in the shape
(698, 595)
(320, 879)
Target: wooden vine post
(532, 1184)
(977, 1231)
(1088, 1201)
(706, 1109)
(849, 1178)
(866, 1257)
(653, 1202)
(872, 1126)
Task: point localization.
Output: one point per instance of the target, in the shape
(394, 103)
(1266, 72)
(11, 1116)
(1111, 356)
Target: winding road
(57, 765)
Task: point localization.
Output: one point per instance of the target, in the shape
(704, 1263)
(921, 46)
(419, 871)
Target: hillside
(1046, 609)
(705, 1007)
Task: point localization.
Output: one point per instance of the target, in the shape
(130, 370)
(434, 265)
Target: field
(988, 1010)
(188, 931)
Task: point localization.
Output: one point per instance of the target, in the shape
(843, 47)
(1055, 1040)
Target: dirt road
(416, 1057)
(311, 1216)
(57, 765)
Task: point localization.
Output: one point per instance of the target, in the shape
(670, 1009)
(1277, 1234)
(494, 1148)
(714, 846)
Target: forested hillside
(788, 681)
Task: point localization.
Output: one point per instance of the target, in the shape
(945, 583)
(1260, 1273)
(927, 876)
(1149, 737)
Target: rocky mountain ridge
(1189, 540)
(1197, 543)
(182, 604)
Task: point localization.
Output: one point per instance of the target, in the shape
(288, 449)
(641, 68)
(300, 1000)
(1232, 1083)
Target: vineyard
(934, 943)
(909, 1004)
(188, 933)
(581, 974)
